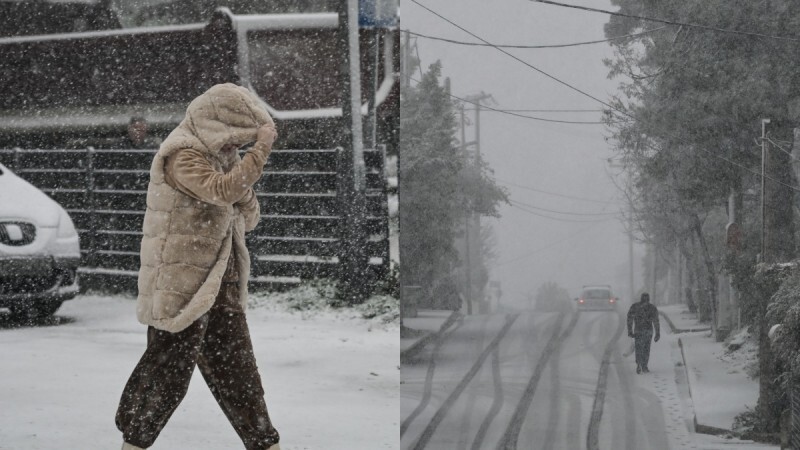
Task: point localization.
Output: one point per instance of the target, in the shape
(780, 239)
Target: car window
(596, 293)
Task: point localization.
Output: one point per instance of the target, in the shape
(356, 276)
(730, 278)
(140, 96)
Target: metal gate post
(794, 405)
(91, 259)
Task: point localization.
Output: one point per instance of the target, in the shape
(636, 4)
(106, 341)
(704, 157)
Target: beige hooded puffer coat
(187, 239)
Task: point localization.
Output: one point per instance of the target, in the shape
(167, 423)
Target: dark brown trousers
(219, 344)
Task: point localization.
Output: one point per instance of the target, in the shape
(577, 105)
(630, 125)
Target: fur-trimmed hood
(224, 114)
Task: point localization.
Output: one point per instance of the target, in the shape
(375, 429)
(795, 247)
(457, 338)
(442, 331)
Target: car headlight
(66, 228)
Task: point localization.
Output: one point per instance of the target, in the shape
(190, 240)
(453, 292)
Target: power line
(546, 247)
(555, 110)
(533, 253)
(671, 22)
(518, 203)
(625, 113)
(513, 57)
(557, 219)
(508, 183)
(574, 44)
(788, 152)
(515, 114)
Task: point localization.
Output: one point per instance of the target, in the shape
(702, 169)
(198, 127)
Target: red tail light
(580, 301)
(612, 300)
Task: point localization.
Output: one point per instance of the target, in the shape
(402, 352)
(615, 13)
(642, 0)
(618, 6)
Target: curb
(699, 427)
(676, 330)
(417, 347)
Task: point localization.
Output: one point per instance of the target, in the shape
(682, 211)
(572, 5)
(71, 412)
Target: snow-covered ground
(427, 321)
(648, 411)
(682, 319)
(720, 390)
(331, 380)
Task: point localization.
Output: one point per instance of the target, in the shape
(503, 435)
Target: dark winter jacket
(643, 318)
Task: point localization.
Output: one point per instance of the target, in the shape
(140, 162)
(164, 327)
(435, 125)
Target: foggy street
(544, 380)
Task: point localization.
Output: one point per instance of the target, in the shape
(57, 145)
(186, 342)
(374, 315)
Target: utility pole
(467, 237)
(353, 265)
(474, 222)
(653, 296)
(405, 60)
(631, 287)
(764, 156)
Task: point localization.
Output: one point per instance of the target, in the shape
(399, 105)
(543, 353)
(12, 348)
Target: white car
(597, 297)
(39, 250)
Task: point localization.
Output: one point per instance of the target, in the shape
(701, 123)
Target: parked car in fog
(597, 297)
(39, 250)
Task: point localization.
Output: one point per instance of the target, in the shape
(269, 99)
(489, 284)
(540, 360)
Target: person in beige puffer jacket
(194, 270)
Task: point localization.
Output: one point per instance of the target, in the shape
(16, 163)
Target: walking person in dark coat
(642, 322)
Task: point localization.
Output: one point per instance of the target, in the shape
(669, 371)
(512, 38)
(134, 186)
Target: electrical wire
(531, 66)
(518, 203)
(671, 22)
(557, 219)
(509, 183)
(788, 152)
(555, 110)
(512, 113)
(546, 247)
(611, 107)
(574, 44)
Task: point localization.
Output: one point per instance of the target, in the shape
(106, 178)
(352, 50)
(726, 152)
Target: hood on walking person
(224, 114)
(645, 298)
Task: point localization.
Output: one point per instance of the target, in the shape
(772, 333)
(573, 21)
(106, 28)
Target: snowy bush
(384, 307)
(321, 295)
(784, 309)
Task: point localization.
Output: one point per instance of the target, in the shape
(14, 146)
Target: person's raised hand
(267, 134)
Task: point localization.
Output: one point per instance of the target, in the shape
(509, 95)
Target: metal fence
(104, 192)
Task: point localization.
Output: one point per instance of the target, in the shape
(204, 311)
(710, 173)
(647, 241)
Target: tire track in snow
(497, 403)
(439, 416)
(472, 397)
(623, 377)
(511, 435)
(428, 390)
(593, 435)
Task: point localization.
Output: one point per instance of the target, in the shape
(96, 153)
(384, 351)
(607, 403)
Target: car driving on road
(597, 297)
(39, 250)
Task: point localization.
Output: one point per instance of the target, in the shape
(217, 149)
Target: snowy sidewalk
(331, 381)
(717, 380)
(681, 320)
(699, 386)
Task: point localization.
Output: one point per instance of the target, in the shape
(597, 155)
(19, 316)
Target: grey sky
(567, 159)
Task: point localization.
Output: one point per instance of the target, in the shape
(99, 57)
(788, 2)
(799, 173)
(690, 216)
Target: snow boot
(126, 446)
(638, 369)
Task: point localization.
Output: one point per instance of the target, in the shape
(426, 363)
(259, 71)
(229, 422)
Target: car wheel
(38, 310)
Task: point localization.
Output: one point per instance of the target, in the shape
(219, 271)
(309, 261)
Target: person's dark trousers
(642, 345)
(219, 344)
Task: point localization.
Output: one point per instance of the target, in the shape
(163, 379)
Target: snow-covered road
(330, 380)
(543, 380)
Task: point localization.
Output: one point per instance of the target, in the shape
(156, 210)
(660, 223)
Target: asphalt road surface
(530, 380)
